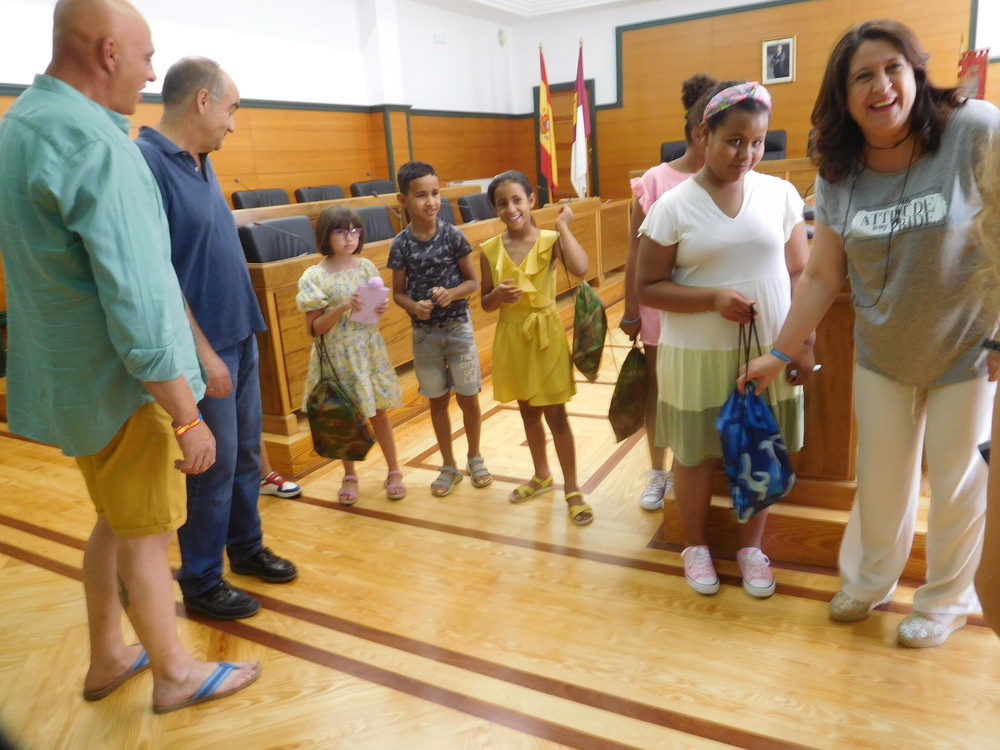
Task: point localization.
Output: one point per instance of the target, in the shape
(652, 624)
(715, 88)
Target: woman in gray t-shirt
(895, 200)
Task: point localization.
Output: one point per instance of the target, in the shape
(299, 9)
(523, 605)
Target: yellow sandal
(525, 491)
(575, 511)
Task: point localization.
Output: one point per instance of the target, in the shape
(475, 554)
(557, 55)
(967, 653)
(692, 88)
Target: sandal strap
(349, 478)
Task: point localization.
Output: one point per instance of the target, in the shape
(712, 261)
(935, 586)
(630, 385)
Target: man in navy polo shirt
(200, 101)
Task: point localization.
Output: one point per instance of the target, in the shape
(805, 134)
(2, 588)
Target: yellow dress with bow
(531, 358)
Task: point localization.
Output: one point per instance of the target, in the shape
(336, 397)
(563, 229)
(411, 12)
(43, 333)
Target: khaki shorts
(132, 480)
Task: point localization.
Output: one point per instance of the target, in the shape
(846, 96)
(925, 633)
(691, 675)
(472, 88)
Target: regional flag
(546, 136)
(579, 162)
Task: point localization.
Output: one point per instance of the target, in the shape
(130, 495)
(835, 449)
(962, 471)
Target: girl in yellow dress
(531, 359)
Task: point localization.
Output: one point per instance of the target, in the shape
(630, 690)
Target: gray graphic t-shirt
(926, 327)
(430, 264)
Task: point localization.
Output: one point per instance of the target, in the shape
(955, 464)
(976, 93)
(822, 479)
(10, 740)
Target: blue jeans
(222, 502)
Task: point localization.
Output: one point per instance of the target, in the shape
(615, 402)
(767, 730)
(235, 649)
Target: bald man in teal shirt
(102, 359)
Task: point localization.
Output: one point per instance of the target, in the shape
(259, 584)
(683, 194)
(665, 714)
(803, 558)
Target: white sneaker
(755, 567)
(275, 484)
(657, 487)
(699, 570)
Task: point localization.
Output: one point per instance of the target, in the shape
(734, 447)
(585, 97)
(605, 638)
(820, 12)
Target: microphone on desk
(388, 205)
(308, 249)
(243, 184)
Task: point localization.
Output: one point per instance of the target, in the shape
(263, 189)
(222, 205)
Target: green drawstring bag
(628, 403)
(590, 328)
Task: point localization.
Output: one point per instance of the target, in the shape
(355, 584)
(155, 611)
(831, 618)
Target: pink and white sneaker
(755, 567)
(275, 484)
(699, 570)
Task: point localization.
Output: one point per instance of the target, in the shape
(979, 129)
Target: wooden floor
(467, 622)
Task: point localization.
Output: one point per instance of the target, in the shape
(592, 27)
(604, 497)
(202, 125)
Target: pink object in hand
(373, 293)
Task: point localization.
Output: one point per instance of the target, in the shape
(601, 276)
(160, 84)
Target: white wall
(561, 40)
(988, 27)
(298, 50)
(365, 52)
(453, 61)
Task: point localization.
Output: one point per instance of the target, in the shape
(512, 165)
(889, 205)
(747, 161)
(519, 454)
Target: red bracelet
(182, 428)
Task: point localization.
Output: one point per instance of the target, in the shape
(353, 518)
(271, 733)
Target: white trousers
(894, 422)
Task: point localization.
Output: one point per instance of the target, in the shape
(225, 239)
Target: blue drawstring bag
(756, 459)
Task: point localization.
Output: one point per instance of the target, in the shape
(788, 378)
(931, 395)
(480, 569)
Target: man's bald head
(77, 24)
(102, 48)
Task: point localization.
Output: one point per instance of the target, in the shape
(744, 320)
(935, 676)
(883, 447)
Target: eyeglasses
(352, 232)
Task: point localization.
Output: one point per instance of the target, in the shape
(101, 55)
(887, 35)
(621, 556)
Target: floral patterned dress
(356, 350)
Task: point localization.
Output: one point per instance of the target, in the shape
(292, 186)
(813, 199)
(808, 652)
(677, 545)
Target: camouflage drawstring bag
(339, 429)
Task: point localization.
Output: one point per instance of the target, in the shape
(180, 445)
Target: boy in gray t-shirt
(433, 276)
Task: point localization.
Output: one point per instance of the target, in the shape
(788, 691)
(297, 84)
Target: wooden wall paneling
(376, 155)
(286, 142)
(656, 59)
(237, 159)
(400, 140)
(469, 148)
(562, 125)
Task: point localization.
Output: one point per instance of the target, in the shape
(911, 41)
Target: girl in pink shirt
(639, 318)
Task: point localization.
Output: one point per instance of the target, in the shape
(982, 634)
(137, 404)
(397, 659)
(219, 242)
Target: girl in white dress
(720, 247)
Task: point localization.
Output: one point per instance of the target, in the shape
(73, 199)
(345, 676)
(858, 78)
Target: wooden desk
(313, 209)
(800, 172)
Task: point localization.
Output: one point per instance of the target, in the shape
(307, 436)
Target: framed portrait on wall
(778, 60)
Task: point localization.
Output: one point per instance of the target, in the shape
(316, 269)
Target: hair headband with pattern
(738, 93)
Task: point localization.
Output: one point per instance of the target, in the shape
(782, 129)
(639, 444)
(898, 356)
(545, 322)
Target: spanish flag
(546, 137)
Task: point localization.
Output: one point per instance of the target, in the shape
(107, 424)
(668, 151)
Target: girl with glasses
(328, 294)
